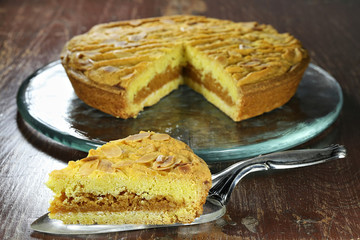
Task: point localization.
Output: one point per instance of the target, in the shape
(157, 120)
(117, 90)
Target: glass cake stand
(46, 101)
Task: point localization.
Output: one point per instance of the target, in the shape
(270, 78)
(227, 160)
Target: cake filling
(125, 201)
(157, 82)
(208, 82)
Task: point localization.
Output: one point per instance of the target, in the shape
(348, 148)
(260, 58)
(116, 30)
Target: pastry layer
(128, 217)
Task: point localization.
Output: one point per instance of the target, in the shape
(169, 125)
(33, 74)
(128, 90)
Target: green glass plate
(48, 103)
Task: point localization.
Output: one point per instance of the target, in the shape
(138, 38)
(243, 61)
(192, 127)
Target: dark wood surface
(319, 202)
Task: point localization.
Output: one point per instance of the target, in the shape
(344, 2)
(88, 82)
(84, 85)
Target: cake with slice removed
(244, 69)
(146, 178)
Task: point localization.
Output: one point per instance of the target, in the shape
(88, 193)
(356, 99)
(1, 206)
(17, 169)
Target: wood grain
(319, 202)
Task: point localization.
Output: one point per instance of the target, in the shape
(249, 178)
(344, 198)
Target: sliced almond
(292, 55)
(149, 148)
(242, 46)
(128, 76)
(160, 159)
(112, 150)
(170, 160)
(249, 25)
(251, 63)
(138, 137)
(179, 161)
(160, 136)
(109, 69)
(120, 44)
(137, 37)
(135, 22)
(122, 164)
(149, 157)
(88, 167)
(167, 21)
(105, 166)
(234, 69)
(167, 163)
(160, 168)
(89, 158)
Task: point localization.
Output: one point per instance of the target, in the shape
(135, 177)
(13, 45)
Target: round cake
(146, 178)
(243, 68)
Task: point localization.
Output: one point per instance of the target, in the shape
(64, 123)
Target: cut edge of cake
(155, 81)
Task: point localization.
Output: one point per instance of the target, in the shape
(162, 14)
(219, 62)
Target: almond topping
(252, 63)
(135, 22)
(170, 160)
(120, 43)
(88, 167)
(137, 37)
(249, 25)
(167, 21)
(146, 149)
(112, 150)
(89, 158)
(164, 163)
(242, 46)
(122, 164)
(292, 55)
(148, 157)
(105, 166)
(234, 69)
(138, 137)
(160, 159)
(128, 76)
(160, 136)
(109, 69)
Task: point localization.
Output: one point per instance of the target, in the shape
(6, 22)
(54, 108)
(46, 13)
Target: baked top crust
(146, 154)
(249, 51)
(114, 57)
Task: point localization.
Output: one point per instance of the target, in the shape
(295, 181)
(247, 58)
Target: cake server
(224, 183)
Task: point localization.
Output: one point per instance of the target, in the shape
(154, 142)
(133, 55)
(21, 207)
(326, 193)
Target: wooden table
(319, 202)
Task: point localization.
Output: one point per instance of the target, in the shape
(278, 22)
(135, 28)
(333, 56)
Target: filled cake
(146, 178)
(244, 68)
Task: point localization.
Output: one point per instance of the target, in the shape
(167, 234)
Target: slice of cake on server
(146, 178)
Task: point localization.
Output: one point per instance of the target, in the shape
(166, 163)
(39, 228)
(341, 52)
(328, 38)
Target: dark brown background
(318, 202)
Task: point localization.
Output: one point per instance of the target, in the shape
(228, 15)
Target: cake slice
(244, 69)
(146, 178)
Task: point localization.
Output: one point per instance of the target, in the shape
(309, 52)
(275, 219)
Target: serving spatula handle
(225, 181)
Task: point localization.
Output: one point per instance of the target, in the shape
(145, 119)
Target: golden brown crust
(106, 62)
(270, 94)
(108, 101)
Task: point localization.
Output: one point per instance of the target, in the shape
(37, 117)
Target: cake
(243, 68)
(146, 178)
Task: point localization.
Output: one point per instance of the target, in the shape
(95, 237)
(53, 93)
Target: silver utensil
(224, 183)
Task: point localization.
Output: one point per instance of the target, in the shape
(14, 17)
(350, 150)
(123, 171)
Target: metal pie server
(224, 183)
